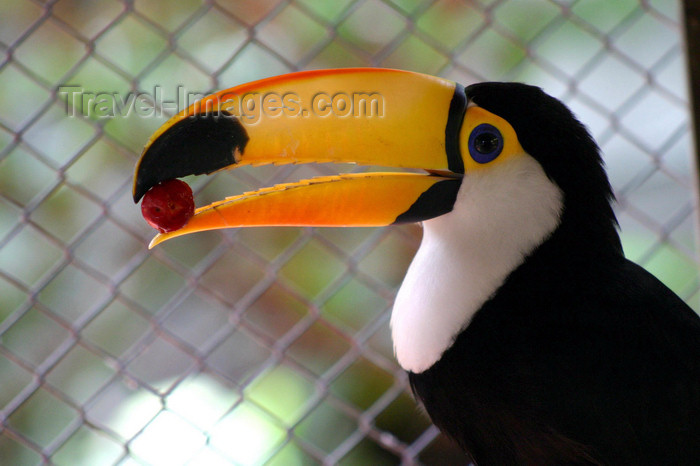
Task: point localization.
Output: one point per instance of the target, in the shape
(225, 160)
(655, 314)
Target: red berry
(168, 206)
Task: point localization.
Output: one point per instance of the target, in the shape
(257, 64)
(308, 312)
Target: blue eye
(485, 143)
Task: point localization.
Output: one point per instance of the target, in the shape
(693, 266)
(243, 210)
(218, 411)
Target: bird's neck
(467, 254)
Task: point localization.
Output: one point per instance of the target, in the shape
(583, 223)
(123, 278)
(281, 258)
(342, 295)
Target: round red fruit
(168, 206)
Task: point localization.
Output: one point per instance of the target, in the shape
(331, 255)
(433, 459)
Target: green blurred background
(271, 346)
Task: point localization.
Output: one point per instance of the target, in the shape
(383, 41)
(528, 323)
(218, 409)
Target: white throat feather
(501, 215)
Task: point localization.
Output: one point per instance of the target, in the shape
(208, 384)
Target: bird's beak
(372, 117)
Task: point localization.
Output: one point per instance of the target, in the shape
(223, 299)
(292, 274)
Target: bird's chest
(457, 395)
(483, 393)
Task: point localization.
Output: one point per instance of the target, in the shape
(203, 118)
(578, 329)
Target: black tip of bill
(195, 145)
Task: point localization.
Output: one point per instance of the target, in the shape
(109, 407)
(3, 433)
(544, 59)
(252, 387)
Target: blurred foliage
(269, 344)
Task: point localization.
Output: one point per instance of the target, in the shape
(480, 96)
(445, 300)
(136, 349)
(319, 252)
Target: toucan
(526, 334)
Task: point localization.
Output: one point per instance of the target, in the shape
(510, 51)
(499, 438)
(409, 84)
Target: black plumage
(581, 356)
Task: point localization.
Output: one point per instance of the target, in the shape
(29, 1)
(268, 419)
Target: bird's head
(550, 133)
(504, 166)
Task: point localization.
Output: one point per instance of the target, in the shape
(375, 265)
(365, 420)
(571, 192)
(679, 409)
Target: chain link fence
(269, 346)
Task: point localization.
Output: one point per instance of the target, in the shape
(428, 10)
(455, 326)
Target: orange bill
(365, 116)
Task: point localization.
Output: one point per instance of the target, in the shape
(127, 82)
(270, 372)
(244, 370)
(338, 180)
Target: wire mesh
(269, 346)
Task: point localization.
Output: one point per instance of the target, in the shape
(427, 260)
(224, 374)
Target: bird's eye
(485, 143)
